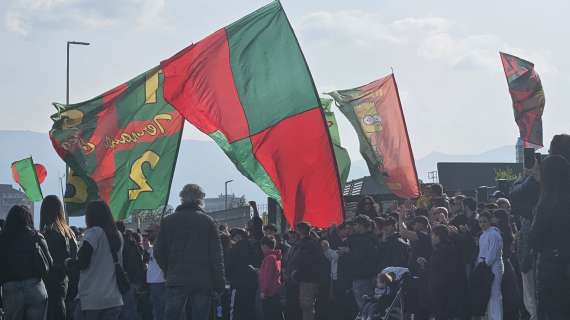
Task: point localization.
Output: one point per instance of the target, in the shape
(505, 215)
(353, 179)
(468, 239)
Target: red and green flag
(121, 147)
(249, 88)
(375, 112)
(340, 153)
(25, 173)
(527, 94)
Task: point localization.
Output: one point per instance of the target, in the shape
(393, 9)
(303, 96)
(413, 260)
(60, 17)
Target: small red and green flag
(121, 147)
(527, 94)
(249, 88)
(25, 174)
(375, 112)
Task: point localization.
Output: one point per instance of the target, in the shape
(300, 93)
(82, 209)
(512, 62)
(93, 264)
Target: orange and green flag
(24, 173)
(121, 147)
(375, 112)
(249, 88)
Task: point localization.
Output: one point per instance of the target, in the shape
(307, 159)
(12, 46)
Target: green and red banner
(375, 112)
(25, 173)
(249, 88)
(527, 94)
(340, 153)
(121, 147)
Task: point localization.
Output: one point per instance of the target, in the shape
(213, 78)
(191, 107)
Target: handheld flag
(249, 88)
(375, 112)
(121, 147)
(24, 173)
(527, 94)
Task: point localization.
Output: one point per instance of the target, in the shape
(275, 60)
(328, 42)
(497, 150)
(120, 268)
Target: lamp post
(226, 194)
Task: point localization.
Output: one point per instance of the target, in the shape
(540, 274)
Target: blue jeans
(25, 300)
(157, 298)
(177, 297)
(129, 310)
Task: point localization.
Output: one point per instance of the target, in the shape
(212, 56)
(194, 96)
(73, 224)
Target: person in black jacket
(394, 251)
(549, 237)
(24, 292)
(62, 246)
(133, 256)
(241, 264)
(189, 252)
(362, 258)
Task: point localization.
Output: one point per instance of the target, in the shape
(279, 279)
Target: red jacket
(270, 274)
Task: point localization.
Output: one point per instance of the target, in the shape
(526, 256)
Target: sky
(444, 54)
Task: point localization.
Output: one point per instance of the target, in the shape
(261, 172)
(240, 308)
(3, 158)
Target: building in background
(10, 197)
(219, 203)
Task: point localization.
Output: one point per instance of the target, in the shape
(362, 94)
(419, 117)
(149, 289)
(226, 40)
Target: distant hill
(199, 162)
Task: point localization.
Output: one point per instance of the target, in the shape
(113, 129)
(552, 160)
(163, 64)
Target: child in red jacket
(270, 279)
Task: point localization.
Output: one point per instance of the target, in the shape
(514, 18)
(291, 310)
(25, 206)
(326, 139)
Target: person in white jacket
(491, 253)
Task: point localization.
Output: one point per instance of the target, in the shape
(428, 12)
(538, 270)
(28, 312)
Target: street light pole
(226, 194)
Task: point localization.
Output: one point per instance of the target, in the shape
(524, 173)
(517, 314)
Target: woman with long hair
(368, 207)
(550, 236)
(62, 246)
(99, 293)
(23, 290)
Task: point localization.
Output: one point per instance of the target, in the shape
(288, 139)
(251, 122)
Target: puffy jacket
(17, 254)
(270, 274)
(189, 251)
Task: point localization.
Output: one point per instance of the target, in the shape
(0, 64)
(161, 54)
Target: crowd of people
(442, 257)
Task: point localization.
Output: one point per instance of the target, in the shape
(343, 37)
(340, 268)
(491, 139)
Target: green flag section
(375, 112)
(249, 88)
(121, 147)
(340, 153)
(527, 94)
(24, 173)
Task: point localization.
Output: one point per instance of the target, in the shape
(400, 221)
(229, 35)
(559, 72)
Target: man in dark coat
(189, 252)
(394, 251)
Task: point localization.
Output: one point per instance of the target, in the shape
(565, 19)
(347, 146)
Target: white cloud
(27, 16)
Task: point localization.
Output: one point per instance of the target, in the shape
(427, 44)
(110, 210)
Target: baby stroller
(390, 306)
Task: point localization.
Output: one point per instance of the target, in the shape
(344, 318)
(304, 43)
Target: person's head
(53, 216)
(500, 218)
(238, 234)
(270, 230)
(121, 227)
(439, 234)
(436, 190)
(193, 195)
(325, 245)
(367, 205)
(363, 224)
(267, 244)
(555, 175)
(223, 228)
(389, 226)
(383, 280)
(98, 214)
(421, 224)
(304, 229)
(469, 206)
(485, 220)
(19, 219)
(560, 145)
(438, 216)
(504, 203)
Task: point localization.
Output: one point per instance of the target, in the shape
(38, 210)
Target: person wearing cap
(189, 252)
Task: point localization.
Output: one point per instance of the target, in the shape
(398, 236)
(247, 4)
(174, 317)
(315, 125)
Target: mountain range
(199, 162)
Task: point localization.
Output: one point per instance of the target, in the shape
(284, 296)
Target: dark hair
(470, 203)
(270, 227)
(554, 183)
(560, 145)
(53, 216)
(18, 220)
(238, 232)
(98, 214)
(121, 226)
(390, 221)
(504, 224)
(485, 214)
(269, 242)
(304, 228)
(436, 189)
(421, 212)
(421, 219)
(360, 207)
(442, 232)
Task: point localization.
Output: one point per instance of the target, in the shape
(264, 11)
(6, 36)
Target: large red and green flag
(340, 153)
(375, 112)
(528, 98)
(24, 173)
(121, 147)
(249, 88)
